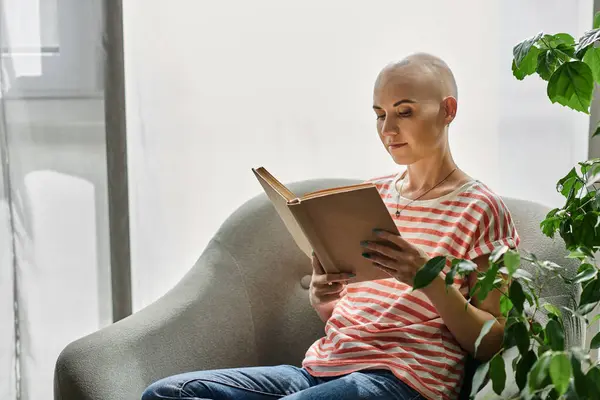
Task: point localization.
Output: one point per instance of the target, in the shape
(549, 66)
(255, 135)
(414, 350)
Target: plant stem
(553, 50)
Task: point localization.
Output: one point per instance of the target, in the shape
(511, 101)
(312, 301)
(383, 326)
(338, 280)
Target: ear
(450, 107)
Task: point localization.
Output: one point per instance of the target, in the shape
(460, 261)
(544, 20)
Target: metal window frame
(116, 157)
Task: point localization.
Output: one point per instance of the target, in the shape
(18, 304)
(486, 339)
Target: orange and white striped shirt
(383, 325)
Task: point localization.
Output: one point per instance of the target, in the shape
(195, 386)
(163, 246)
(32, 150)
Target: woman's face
(411, 114)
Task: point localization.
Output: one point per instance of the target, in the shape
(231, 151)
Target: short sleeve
(495, 227)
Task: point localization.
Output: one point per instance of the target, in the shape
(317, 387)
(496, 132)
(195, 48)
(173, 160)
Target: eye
(405, 113)
(380, 116)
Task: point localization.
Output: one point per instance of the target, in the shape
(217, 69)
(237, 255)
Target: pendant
(397, 213)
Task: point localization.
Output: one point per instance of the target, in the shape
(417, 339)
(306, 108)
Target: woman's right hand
(326, 288)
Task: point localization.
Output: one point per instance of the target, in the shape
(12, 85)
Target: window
(50, 48)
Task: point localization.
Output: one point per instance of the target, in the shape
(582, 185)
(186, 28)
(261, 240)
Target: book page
(281, 206)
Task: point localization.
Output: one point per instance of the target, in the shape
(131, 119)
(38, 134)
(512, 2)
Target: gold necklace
(398, 211)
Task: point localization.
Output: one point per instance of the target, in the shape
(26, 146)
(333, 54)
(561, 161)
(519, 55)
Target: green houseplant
(544, 367)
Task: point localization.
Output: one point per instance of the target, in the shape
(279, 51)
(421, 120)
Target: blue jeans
(283, 381)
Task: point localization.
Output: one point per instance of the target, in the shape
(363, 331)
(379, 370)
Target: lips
(396, 145)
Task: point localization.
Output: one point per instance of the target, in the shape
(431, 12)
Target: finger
(329, 298)
(392, 253)
(344, 276)
(382, 261)
(330, 279)
(325, 290)
(391, 272)
(316, 264)
(392, 237)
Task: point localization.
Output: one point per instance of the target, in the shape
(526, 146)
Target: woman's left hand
(394, 255)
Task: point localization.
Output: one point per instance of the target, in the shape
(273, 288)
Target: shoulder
(382, 183)
(480, 197)
(382, 179)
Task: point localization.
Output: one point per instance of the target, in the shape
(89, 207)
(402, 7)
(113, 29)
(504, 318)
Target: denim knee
(167, 388)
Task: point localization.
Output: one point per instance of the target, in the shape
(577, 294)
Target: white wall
(215, 88)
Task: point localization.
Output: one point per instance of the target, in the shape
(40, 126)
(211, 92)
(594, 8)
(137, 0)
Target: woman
(383, 340)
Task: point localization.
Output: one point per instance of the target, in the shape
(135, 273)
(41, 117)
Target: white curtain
(54, 165)
(215, 88)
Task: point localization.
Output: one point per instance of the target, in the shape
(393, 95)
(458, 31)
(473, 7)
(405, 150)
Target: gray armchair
(243, 303)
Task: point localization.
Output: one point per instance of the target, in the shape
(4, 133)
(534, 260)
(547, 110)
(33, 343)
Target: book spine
(301, 213)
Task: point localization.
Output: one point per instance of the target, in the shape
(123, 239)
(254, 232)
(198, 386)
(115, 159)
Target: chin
(403, 159)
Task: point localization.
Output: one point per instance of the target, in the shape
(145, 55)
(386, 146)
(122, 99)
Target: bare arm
(462, 319)
(466, 324)
(326, 289)
(324, 311)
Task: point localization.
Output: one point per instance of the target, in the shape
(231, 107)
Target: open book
(332, 223)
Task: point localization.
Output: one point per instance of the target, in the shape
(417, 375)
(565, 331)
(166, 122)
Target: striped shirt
(383, 325)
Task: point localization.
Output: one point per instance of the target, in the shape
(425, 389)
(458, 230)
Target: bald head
(429, 72)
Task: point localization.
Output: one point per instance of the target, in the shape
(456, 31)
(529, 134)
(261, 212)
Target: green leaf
(497, 253)
(539, 372)
(578, 377)
(429, 272)
(550, 225)
(593, 382)
(478, 378)
(487, 282)
(577, 254)
(591, 292)
(555, 336)
(546, 64)
(512, 261)
(523, 367)
(529, 295)
(497, 373)
(552, 309)
(586, 272)
(584, 249)
(517, 296)
(518, 335)
(593, 320)
(450, 275)
(521, 50)
(586, 40)
(595, 341)
(522, 274)
(550, 266)
(560, 372)
(528, 65)
(536, 327)
(565, 185)
(554, 41)
(465, 267)
(592, 59)
(505, 305)
(571, 85)
(519, 74)
(585, 309)
(485, 329)
(543, 349)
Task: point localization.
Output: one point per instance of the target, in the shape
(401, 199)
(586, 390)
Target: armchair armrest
(196, 325)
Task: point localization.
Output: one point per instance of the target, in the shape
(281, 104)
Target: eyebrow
(396, 104)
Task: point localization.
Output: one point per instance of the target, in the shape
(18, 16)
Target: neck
(428, 172)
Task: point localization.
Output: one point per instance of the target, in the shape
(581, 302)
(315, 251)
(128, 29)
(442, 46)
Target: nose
(390, 126)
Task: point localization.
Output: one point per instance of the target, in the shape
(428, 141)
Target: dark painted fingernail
(377, 231)
(366, 255)
(364, 243)
(351, 275)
